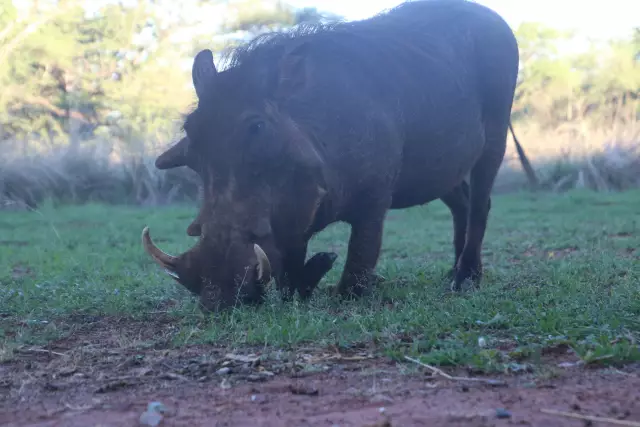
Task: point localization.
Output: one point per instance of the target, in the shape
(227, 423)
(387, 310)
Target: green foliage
(69, 73)
(8, 14)
(600, 86)
(60, 73)
(257, 16)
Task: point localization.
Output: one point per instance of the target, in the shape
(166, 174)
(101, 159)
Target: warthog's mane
(273, 44)
(383, 41)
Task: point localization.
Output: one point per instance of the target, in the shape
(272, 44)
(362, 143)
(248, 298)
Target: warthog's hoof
(464, 286)
(451, 274)
(378, 279)
(358, 289)
(466, 278)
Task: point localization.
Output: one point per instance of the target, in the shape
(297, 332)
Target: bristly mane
(264, 45)
(384, 43)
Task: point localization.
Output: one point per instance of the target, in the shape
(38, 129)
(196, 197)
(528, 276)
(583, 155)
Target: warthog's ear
(293, 72)
(203, 72)
(175, 156)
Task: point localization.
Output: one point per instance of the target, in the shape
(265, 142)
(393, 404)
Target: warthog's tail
(526, 165)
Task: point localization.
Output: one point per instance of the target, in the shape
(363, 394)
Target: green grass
(559, 271)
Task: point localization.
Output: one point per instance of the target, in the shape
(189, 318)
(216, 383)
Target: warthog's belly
(433, 166)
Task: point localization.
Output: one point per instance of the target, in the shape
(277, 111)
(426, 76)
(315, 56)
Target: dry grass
(108, 172)
(573, 157)
(91, 174)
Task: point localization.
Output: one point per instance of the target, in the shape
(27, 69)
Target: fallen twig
(339, 357)
(39, 350)
(628, 374)
(437, 371)
(78, 408)
(591, 418)
(173, 376)
(242, 358)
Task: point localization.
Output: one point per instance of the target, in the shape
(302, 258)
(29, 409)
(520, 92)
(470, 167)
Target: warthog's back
(401, 96)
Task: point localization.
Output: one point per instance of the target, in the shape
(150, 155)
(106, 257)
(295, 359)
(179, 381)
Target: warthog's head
(262, 180)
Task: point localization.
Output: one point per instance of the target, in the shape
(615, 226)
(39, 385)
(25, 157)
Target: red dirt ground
(98, 377)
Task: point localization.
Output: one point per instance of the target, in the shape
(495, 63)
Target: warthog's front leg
(301, 276)
(314, 270)
(364, 250)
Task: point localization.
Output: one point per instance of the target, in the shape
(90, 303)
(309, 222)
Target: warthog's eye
(256, 127)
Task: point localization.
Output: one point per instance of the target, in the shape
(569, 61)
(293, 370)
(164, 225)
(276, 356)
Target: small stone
(223, 371)
(258, 398)
(153, 415)
(503, 413)
(150, 418)
(157, 407)
(301, 389)
(243, 370)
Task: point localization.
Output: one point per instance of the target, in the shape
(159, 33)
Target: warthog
(342, 122)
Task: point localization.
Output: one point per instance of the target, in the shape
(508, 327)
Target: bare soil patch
(108, 371)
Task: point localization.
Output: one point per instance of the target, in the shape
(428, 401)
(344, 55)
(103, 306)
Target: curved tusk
(264, 267)
(172, 274)
(165, 260)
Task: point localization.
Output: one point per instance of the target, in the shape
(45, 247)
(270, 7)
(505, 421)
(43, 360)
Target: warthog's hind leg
(458, 203)
(483, 174)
